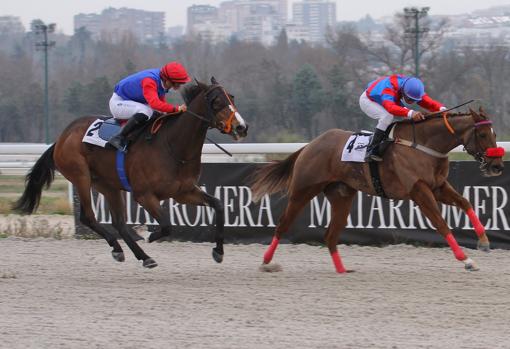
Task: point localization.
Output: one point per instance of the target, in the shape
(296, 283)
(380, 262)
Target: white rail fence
(18, 158)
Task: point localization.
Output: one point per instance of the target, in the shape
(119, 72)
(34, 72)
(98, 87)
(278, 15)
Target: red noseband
(498, 152)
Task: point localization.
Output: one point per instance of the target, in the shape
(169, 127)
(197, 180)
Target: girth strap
(121, 171)
(414, 145)
(376, 178)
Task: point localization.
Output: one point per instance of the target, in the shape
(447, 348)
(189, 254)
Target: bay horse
(167, 166)
(406, 173)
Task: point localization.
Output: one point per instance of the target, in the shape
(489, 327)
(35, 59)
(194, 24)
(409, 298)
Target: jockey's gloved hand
(443, 108)
(417, 116)
(182, 108)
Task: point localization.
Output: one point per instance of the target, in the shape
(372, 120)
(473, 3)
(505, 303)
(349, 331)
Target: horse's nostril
(240, 128)
(497, 168)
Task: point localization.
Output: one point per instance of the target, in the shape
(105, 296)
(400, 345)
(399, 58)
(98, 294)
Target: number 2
(96, 127)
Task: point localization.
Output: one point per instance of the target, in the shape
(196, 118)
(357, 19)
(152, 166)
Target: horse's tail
(42, 174)
(274, 177)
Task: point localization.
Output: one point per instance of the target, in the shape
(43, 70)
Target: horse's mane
(439, 116)
(190, 91)
(450, 115)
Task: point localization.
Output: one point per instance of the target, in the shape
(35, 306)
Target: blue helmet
(413, 89)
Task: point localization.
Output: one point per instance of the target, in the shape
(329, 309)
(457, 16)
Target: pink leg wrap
(268, 256)
(457, 251)
(479, 228)
(337, 261)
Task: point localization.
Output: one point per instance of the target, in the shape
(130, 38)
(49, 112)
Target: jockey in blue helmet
(384, 99)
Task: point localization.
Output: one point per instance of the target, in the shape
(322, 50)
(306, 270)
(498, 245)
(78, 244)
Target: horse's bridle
(479, 156)
(209, 118)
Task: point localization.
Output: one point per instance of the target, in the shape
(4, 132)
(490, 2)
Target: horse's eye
(216, 104)
(483, 135)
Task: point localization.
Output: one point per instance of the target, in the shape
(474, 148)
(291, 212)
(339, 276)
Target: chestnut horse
(406, 173)
(167, 166)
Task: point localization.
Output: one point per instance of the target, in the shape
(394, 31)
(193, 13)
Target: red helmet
(175, 72)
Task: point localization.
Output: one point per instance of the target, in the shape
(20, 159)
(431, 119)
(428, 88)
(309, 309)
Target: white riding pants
(376, 111)
(124, 109)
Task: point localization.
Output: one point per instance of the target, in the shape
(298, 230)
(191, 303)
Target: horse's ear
(475, 115)
(200, 84)
(481, 111)
(214, 81)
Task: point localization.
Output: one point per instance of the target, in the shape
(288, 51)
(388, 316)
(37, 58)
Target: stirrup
(370, 156)
(118, 144)
(375, 157)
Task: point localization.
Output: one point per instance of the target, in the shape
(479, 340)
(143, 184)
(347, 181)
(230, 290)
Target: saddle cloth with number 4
(356, 147)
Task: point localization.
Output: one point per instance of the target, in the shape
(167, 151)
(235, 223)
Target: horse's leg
(340, 196)
(87, 217)
(197, 196)
(117, 209)
(162, 216)
(297, 200)
(447, 195)
(423, 196)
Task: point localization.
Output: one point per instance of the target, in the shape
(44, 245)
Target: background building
(200, 15)
(147, 26)
(11, 25)
(316, 15)
(250, 20)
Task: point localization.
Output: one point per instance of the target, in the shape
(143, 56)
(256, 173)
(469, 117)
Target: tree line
(288, 92)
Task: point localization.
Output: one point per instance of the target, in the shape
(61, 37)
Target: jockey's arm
(150, 92)
(430, 104)
(395, 109)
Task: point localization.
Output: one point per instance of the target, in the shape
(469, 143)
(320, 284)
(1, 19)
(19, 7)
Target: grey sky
(61, 12)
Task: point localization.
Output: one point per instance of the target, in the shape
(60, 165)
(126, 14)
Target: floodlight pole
(416, 13)
(44, 45)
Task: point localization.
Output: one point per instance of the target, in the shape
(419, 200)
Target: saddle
(111, 126)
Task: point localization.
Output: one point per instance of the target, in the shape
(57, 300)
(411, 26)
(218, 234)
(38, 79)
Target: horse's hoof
(134, 235)
(150, 263)
(485, 247)
(270, 268)
(118, 256)
(153, 237)
(218, 257)
(470, 265)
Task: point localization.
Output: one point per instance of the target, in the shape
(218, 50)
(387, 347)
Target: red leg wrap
(479, 228)
(268, 256)
(457, 251)
(337, 261)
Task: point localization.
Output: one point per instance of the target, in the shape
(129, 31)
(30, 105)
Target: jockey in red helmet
(137, 96)
(383, 101)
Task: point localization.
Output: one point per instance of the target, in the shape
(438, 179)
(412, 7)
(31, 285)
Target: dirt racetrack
(71, 294)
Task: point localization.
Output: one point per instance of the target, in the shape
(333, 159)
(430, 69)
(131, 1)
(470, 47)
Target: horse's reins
(491, 153)
(479, 156)
(428, 116)
(159, 121)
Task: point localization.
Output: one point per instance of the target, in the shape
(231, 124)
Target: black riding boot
(119, 140)
(373, 153)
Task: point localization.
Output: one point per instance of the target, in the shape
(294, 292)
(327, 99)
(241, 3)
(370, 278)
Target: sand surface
(72, 294)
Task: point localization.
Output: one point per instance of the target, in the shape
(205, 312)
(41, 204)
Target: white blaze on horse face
(238, 116)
